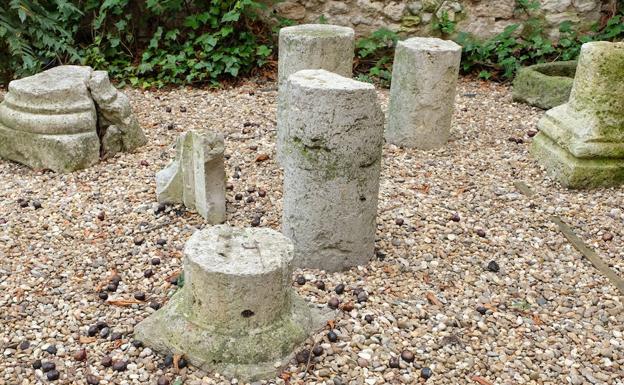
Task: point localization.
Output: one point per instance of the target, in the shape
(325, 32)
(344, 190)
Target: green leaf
(263, 50)
(232, 15)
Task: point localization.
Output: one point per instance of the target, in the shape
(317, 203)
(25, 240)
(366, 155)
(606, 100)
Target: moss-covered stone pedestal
(581, 143)
(236, 313)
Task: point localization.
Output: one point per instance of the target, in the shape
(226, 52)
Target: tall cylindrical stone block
(315, 46)
(312, 46)
(333, 135)
(422, 94)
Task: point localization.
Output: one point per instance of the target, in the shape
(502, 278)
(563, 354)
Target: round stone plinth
(236, 313)
(238, 278)
(315, 46)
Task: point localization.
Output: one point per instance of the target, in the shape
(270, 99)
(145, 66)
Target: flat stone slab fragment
(545, 85)
(64, 119)
(331, 133)
(196, 177)
(422, 93)
(581, 143)
(237, 313)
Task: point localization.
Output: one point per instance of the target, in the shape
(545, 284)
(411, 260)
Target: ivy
(145, 43)
(497, 58)
(374, 56)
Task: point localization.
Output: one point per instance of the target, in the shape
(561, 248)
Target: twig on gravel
(590, 254)
(155, 227)
(578, 243)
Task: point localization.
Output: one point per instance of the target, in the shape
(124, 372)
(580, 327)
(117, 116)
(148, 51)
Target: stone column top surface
(239, 251)
(316, 31)
(60, 89)
(430, 44)
(322, 79)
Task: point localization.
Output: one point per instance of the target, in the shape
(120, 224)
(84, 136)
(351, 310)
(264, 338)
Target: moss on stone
(575, 172)
(544, 85)
(248, 357)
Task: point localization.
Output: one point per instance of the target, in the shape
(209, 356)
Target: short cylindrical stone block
(315, 46)
(237, 313)
(422, 94)
(237, 278)
(332, 140)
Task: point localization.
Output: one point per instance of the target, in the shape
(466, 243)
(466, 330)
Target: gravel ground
(543, 315)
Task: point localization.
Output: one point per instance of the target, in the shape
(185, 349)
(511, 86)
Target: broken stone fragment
(236, 313)
(196, 177)
(52, 120)
(115, 116)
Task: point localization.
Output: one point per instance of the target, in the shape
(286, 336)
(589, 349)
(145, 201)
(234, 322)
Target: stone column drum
(66, 119)
(333, 135)
(313, 46)
(48, 121)
(581, 143)
(237, 313)
(422, 93)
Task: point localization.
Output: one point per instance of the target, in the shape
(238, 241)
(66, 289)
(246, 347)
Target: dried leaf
(347, 306)
(174, 274)
(262, 157)
(537, 320)
(123, 302)
(286, 377)
(86, 340)
(331, 323)
(490, 306)
(433, 299)
(106, 280)
(117, 344)
(481, 380)
(176, 361)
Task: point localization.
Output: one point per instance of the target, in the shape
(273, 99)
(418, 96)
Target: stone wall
(483, 18)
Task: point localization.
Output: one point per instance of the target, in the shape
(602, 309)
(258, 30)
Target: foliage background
(144, 42)
(186, 42)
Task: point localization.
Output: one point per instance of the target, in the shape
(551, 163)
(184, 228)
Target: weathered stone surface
(484, 18)
(422, 93)
(290, 10)
(115, 116)
(48, 121)
(315, 46)
(236, 313)
(53, 120)
(581, 143)
(331, 129)
(544, 85)
(197, 175)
